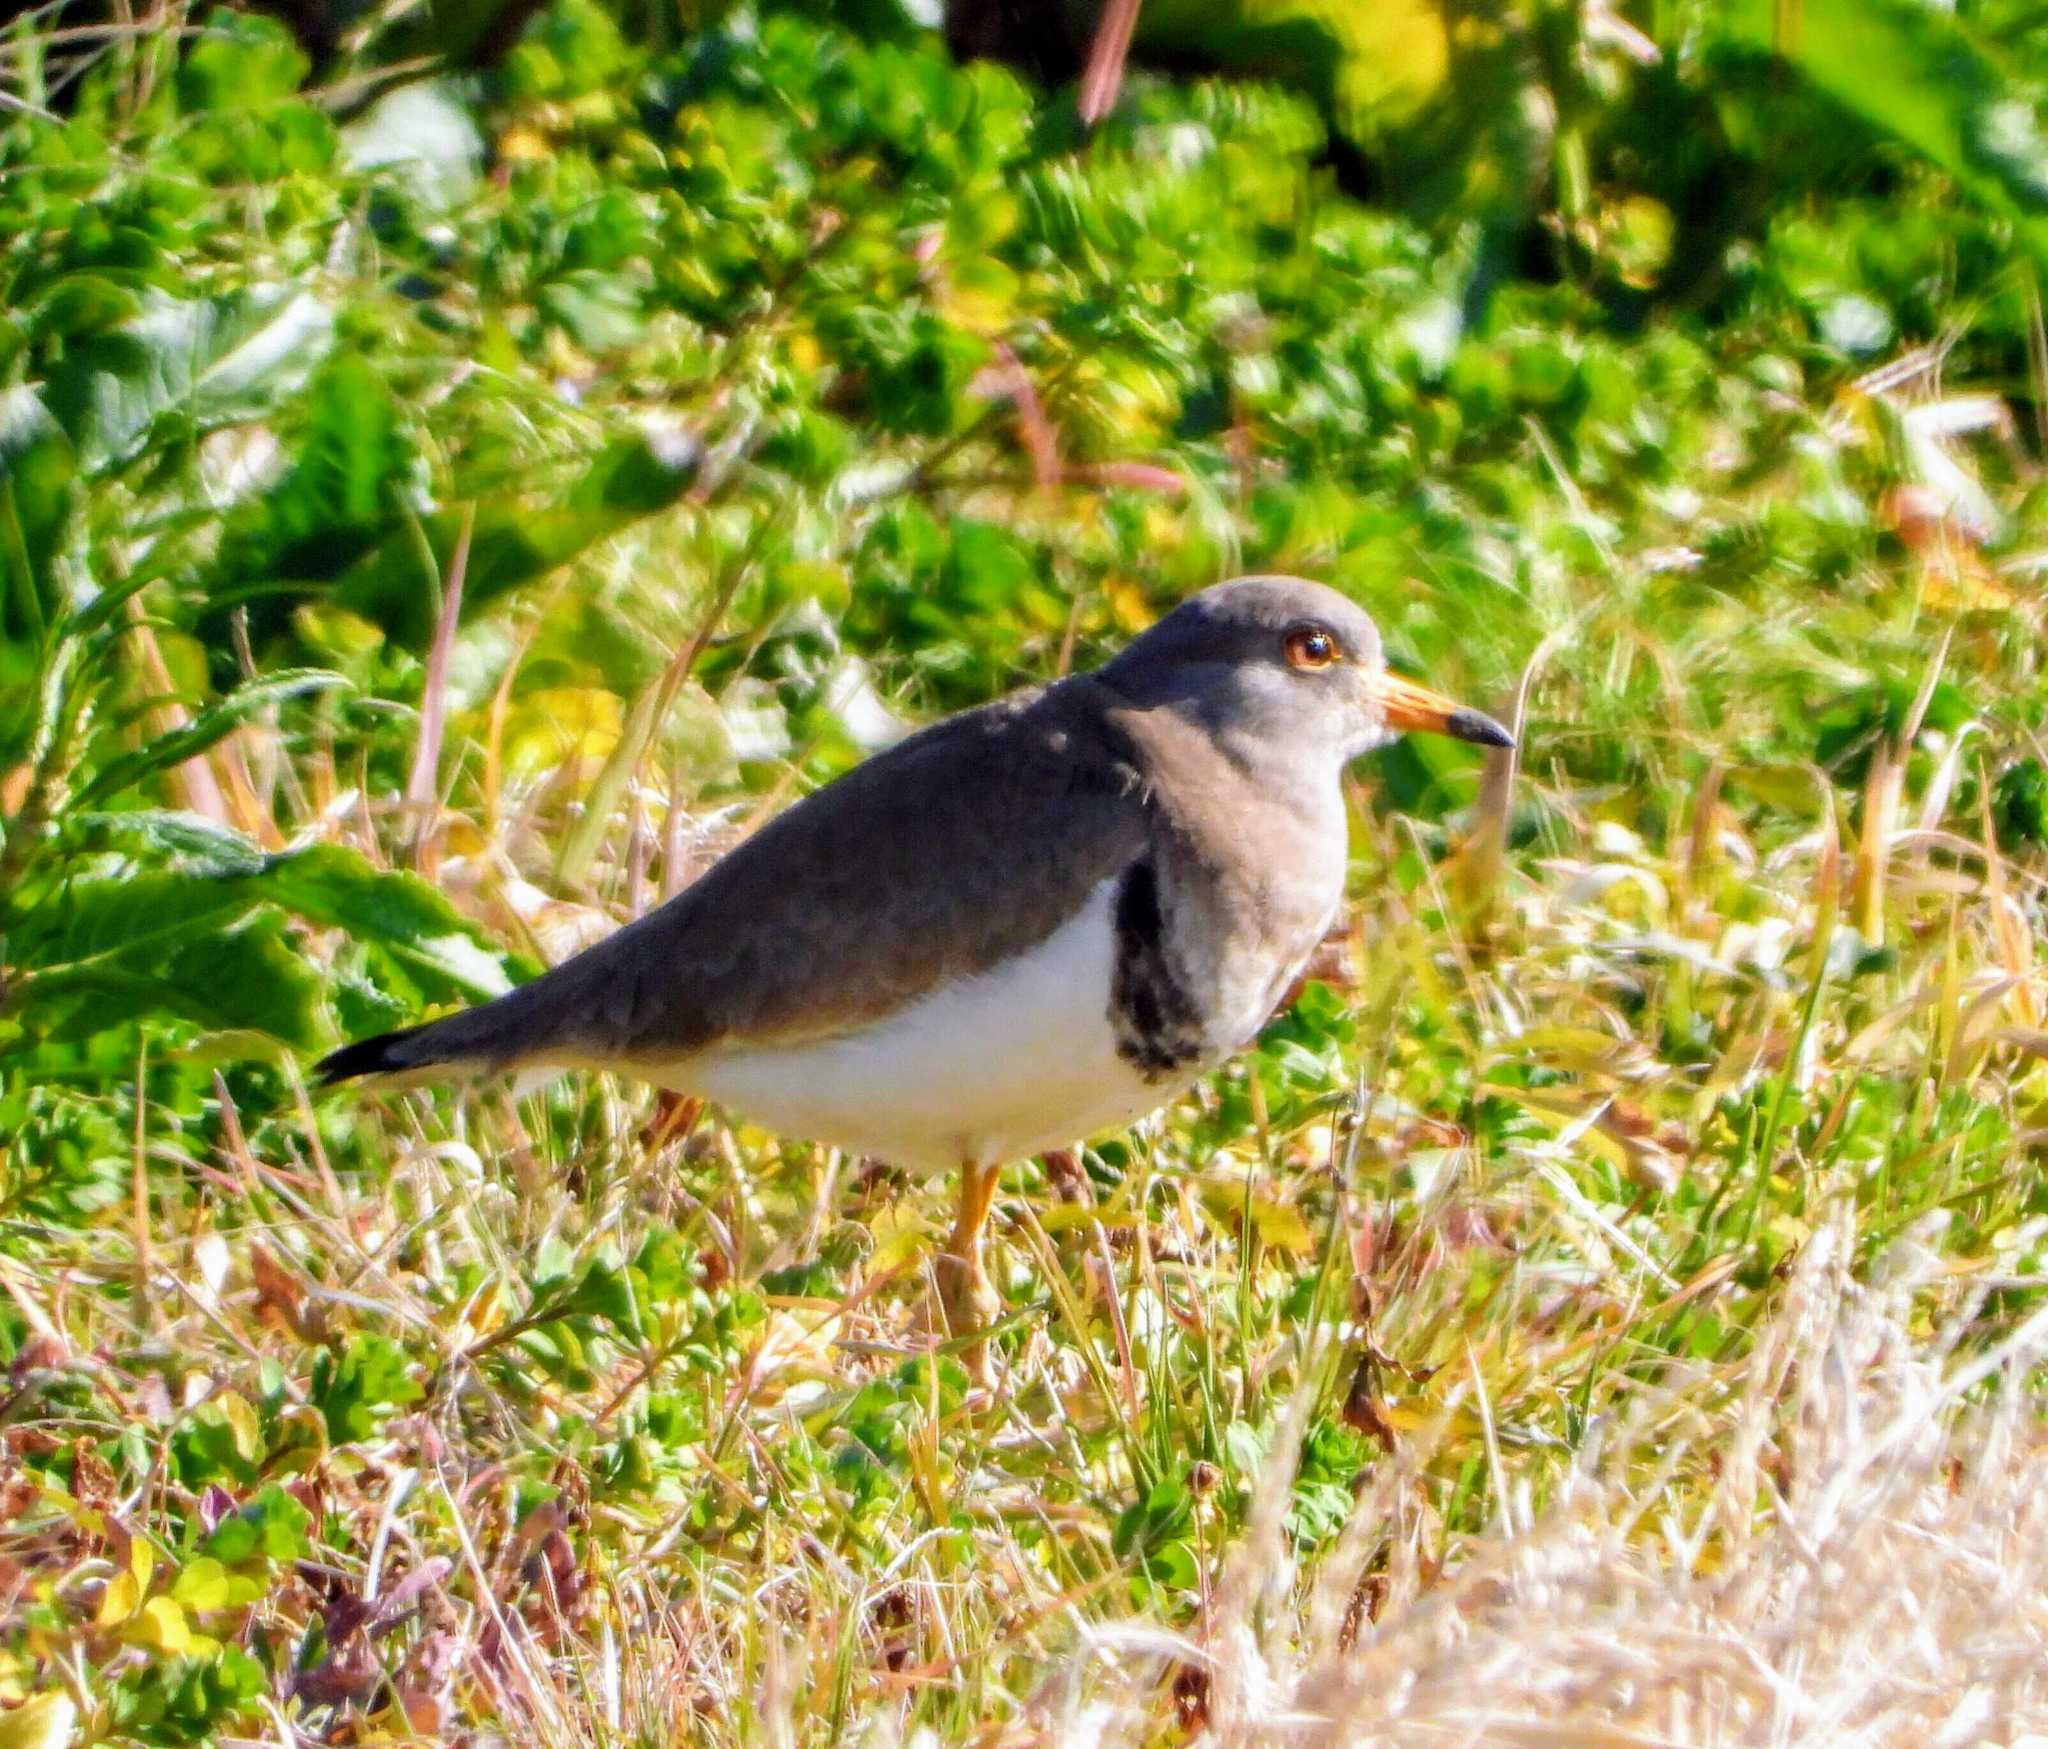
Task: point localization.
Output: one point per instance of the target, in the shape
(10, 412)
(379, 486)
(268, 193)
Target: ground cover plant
(445, 498)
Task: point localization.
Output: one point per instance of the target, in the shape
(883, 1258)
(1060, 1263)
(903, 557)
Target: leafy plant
(438, 513)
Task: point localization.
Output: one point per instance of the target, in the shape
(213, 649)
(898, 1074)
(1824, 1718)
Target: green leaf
(352, 467)
(355, 1390)
(204, 362)
(1151, 1523)
(2019, 805)
(79, 304)
(392, 910)
(189, 842)
(273, 1525)
(204, 944)
(239, 60)
(600, 311)
(212, 724)
(353, 477)
(1918, 74)
(247, 979)
(202, 1585)
(513, 543)
(914, 368)
(425, 137)
(37, 491)
(87, 920)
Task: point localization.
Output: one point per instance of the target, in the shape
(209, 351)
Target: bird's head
(1286, 664)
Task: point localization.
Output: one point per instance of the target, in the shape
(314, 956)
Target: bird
(1023, 926)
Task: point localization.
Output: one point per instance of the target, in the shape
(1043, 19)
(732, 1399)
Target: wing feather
(971, 841)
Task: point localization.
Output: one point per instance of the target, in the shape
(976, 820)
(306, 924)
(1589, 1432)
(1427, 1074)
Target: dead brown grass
(1873, 1568)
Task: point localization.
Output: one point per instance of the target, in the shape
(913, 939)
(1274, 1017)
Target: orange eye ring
(1310, 648)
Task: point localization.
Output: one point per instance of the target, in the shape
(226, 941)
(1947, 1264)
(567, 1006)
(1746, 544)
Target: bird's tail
(407, 1052)
(506, 1034)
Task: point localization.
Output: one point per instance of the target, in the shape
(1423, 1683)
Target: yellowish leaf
(562, 725)
(1127, 604)
(141, 1561)
(1396, 57)
(1580, 1044)
(240, 1415)
(899, 1235)
(119, 1601)
(523, 143)
(1061, 1217)
(1279, 1225)
(82, 1516)
(50, 1721)
(979, 296)
(203, 1585)
(162, 1624)
(1960, 582)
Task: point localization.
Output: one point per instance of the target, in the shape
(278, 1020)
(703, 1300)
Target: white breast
(989, 1068)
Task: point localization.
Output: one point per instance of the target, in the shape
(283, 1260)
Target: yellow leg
(966, 1294)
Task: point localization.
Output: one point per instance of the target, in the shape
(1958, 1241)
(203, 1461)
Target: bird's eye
(1310, 647)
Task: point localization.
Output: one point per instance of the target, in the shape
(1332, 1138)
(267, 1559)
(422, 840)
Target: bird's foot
(971, 1306)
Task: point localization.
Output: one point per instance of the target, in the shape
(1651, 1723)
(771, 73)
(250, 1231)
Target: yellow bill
(1411, 706)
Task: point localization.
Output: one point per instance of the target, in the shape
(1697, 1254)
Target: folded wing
(967, 843)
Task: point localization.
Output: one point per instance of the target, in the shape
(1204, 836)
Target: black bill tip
(1470, 725)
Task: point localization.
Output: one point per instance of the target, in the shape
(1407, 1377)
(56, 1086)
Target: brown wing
(969, 842)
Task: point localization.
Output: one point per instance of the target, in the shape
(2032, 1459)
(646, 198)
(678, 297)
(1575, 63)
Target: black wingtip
(370, 1056)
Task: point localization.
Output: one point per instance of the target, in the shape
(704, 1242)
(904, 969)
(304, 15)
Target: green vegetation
(437, 516)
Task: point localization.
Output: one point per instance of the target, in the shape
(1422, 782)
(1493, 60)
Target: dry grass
(1605, 1310)
(1683, 1401)
(1870, 1569)
(1869, 1566)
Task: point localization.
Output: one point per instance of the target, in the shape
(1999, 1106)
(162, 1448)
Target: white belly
(986, 1069)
